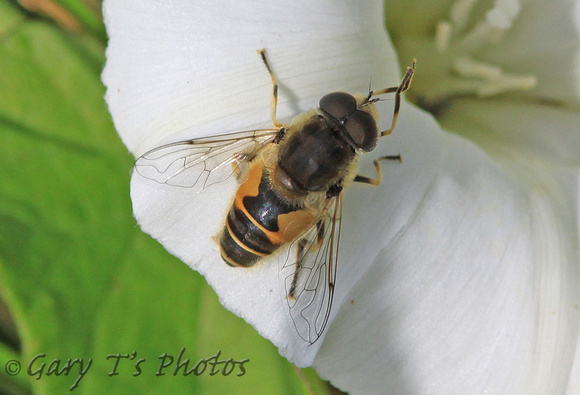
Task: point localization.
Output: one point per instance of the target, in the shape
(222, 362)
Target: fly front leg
(275, 121)
(405, 84)
(377, 181)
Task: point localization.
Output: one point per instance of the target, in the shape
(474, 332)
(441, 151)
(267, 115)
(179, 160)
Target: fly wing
(204, 161)
(308, 274)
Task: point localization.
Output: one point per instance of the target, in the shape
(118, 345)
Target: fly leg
(376, 181)
(302, 248)
(278, 124)
(405, 84)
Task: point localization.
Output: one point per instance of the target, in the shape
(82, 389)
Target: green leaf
(78, 276)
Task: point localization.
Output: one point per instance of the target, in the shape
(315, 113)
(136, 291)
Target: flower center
(450, 63)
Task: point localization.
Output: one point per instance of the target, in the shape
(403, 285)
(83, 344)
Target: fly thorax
(315, 157)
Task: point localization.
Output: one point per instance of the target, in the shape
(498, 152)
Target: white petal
(192, 67)
(574, 380)
(503, 127)
(474, 288)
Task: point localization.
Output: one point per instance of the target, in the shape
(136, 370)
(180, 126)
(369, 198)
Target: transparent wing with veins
(202, 162)
(308, 274)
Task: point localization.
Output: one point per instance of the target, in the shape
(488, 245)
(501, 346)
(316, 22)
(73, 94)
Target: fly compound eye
(362, 128)
(338, 105)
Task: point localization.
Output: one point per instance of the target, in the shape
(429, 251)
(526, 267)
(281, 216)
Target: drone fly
(291, 184)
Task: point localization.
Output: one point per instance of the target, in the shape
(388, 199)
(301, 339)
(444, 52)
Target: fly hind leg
(304, 245)
(376, 181)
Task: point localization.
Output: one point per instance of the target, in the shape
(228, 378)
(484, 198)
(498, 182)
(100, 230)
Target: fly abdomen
(243, 243)
(260, 221)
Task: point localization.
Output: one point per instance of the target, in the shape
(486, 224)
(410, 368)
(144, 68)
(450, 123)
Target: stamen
(493, 79)
(508, 83)
(467, 67)
(443, 36)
